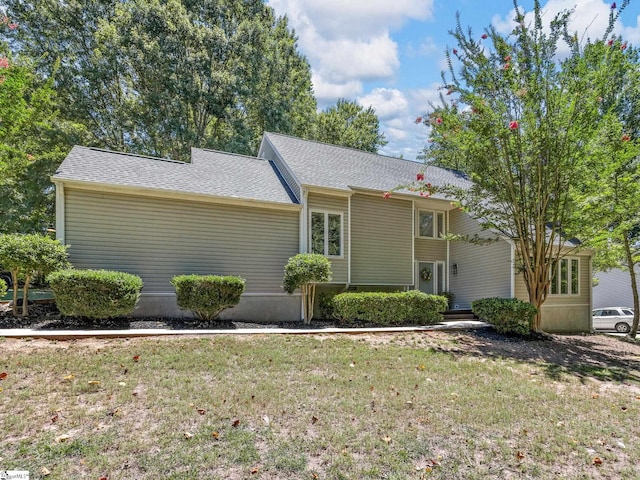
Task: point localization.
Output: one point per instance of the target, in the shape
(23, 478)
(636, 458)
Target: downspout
(60, 209)
(513, 269)
(348, 243)
(414, 265)
(448, 267)
(304, 223)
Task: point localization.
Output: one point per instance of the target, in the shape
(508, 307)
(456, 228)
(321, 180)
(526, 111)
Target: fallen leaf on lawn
(266, 420)
(386, 440)
(352, 364)
(597, 461)
(122, 384)
(62, 438)
(621, 445)
(215, 435)
(519, 455)
(104, 478)
(55, 418)
(188, 435)
(69, 377)
(314, 419)
(136, 358)
(595, 395)
(420, 367)
(3, 375)
(44, 471)
(94, 382)
(433, 463)
(315, 476)
(255, 470)
(0, 389)
(235, 423)
(202, 411)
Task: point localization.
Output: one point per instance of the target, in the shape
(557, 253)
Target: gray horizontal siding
(381, 243)
(483, 270)
(614, 289)
(159, 238)
(339, 266)
(430, 249)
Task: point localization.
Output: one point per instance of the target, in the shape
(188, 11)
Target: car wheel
(623, 327)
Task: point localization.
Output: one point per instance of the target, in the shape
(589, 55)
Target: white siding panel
(159, 238)
(381, 245)
(483, 270)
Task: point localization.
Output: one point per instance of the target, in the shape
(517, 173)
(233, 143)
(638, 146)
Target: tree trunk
(14, 280)
(634, 286)
(25, 296)
(536, 288)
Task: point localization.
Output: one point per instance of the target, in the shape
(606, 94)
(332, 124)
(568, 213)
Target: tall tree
(160, 76)
(613, 194)
(523, 121)
(33, 141)
(350, 125)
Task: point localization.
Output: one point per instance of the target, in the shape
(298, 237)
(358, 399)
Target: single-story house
(230, 214)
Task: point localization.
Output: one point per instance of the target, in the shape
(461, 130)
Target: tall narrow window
(441, 280)
(426, 224)
(440, 225)
(565, 277)
(326, 233)
(574, 276)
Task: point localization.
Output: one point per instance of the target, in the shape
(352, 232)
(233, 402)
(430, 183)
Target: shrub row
(387, 308)
(95, 293)
(207, 295)
(507, 315)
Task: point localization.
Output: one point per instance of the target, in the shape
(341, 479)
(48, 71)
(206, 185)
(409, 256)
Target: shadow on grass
(598, 357)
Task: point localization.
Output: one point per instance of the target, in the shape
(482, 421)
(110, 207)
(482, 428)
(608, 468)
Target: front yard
(394, 406)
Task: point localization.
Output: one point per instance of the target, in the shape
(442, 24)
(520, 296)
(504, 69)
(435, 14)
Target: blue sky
(389, 53)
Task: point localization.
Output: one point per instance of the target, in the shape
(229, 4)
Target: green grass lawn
(400, 406)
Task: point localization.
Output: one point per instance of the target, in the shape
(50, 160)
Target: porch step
(450, 315)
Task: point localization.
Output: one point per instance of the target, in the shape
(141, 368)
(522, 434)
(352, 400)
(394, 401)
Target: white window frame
(569, 278)
(326, 214)
(438, 216)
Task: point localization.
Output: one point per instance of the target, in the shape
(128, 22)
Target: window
(431, 224)
(326, 233)
(565, 280)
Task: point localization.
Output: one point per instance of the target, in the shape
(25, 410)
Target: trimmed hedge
(389, 308)
(507, 315)
(207, 295)
(95, 293)
(3, 288)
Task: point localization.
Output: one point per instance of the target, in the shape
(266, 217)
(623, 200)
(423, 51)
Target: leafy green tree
(33, 142)
(26, 255)
(304, 271)
(524, 122)
(160, 76)
(613, 194)
(349, 125)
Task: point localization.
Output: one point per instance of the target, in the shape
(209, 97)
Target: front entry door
(427, 277)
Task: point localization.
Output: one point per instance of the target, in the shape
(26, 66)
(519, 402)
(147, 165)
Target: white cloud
(327, 92)
(388, 103)
(349, 41)
(589, 19)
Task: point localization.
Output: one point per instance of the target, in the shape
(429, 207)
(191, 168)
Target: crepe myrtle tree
(305, 271)
(26, 255)
(520, 120)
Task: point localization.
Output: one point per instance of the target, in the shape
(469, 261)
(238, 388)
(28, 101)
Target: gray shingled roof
(322, 165)
(209, 173)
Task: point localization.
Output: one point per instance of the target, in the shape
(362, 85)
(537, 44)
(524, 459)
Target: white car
(619, 319)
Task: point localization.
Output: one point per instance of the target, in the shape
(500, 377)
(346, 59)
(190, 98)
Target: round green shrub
(507, 315)
(389, 308)
(3, 288)
(95, 293)
(207, 295)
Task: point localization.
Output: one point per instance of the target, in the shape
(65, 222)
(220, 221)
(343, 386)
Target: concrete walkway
(150, 332)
